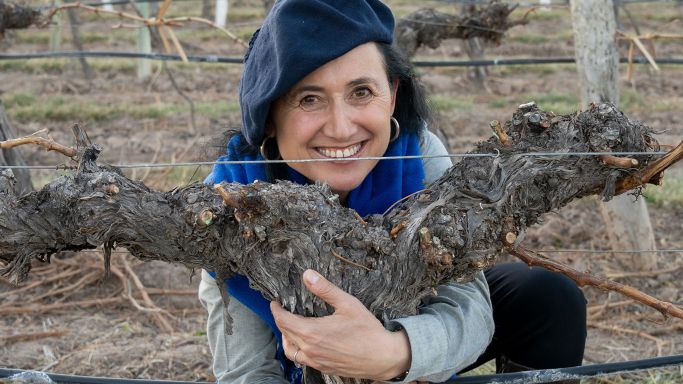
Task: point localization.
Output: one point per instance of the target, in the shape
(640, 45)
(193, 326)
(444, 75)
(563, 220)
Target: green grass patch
(631, 100)
(540, 14)
(18, 99)
(200, 34)
(125, 66)
(243, 14)
(42, 37)
(442, 103)
(666, 17)
(531, 39)
(41, 178)
(26, 108)
(61, 65)
(541, 69)
(669, 195)
(560, 103)
(181, 176)
(499, 102)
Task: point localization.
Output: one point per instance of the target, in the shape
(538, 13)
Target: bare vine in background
(158, 40)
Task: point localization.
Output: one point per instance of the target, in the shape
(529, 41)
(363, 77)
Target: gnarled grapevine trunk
(271, 233)
(428, 27)
(14, 16)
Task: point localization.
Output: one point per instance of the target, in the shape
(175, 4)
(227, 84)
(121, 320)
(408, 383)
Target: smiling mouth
(340, 153)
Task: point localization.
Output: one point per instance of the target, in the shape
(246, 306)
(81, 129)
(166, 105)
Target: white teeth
(340, 153)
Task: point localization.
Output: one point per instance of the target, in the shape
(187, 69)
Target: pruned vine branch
(165, 25)
(271, 233)
(428, 27)
(15, 16)
(586, 279)
(47, 143)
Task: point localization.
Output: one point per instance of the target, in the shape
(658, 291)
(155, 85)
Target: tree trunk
(597, 62)
(13, 157)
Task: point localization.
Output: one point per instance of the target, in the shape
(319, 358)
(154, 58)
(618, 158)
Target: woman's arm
(246, 356)
(452, 330)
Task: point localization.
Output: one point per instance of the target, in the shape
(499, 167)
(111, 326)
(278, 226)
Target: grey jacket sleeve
(454, 327)
(246, 356)
(436, 166)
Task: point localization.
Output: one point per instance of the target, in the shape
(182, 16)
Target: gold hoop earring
(397, 132)
(262, 148)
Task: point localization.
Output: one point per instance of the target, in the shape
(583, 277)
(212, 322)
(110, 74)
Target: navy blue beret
(297, 37)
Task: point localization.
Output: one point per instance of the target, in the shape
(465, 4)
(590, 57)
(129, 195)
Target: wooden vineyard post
(106, 5)
(597, 62)
(12, 156)
(144, 44)
(74, 22)
(221, 13)
(474, 47)
(56, 28)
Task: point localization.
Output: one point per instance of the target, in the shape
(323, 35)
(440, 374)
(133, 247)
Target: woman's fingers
(350, 342)
(293, 351)
(330, 293)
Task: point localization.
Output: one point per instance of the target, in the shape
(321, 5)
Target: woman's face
(340, 110)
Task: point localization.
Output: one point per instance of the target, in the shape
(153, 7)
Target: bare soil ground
(101, 328)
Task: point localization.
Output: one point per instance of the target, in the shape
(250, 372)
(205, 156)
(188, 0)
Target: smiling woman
(341, 110)
(321, 80)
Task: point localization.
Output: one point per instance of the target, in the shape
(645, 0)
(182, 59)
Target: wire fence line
(324, 160)
(238, 60)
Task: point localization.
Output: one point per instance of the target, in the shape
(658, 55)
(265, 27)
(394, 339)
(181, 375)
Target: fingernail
(311, 276)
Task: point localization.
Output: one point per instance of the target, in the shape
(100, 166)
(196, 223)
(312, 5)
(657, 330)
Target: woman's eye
(309, 101)
(362, 93)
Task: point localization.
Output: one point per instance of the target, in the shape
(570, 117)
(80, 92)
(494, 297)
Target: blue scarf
(388, 182)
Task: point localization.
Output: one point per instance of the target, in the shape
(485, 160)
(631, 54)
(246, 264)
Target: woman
(322, 81)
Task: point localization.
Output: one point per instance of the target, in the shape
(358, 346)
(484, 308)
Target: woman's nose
(340, 123)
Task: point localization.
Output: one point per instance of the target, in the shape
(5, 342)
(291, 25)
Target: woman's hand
(351, 342)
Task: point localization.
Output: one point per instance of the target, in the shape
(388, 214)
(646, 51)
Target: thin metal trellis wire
(239, 60)
(323, 160)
